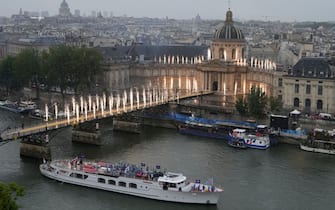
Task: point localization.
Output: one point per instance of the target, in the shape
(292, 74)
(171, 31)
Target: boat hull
(146, 189)
(317, 150)
(202, 133)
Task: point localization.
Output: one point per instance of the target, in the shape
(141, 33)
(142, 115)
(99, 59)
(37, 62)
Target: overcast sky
(284, 10)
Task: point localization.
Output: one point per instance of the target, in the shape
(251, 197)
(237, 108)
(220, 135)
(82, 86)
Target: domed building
(228, 43)
(64, 9)
(221, 68)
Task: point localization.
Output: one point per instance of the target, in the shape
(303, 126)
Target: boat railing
(112, 170)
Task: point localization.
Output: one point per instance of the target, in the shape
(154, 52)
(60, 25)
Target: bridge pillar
(132, 127)
(87, 133)
(35, 146)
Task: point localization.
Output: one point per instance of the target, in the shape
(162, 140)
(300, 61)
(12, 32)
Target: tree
(59, 64)
(253, 104)
(28, 68)
(86, 65)
(75, 68)
(257, 102)
(7, 75)
(241, 105)
(276, 104)
(8, 195)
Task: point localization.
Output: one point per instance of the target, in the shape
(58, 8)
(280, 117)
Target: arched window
(215, 86)
(308, 103)
(243, 52)
(296, 102)
(233, 54)
(319, 105)
(221, 53)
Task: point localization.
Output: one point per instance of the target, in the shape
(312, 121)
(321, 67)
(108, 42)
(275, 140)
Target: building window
(233, 54)
(221, 53)
(308, 89)
(280, 97)
(308, 103)
(320, 90)
(215, 86)
(319, 105)
(280, 82)
(296, 88)
(296, 102)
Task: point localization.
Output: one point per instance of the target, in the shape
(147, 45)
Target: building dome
(229, 31)
(64, 9)
(64, 4)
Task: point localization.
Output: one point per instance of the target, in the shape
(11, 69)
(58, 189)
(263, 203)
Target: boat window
(172, 185)
(122, 184)
(79, 176)
(101, 180)
(132, 185)
(112, 182)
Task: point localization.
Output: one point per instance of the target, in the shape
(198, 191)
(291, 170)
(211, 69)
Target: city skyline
(284, 10)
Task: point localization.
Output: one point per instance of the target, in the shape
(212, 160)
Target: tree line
(64, 67)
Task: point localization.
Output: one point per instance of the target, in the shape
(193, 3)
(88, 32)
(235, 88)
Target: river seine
(282, 177)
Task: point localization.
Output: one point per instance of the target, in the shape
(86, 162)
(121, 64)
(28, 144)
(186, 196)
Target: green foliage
(8, 195)
(257, 102)
(63, 66)
(253, 104)
(27, 66)
(276, 104)
(7, 75)
(70, 67)
(241, 106)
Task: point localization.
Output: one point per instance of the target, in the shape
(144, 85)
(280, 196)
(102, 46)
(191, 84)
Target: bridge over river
(98, 108)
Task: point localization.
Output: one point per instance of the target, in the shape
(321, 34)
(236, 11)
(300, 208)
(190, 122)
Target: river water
(282, 177)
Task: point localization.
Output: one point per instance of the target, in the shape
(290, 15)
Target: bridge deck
(13, 134)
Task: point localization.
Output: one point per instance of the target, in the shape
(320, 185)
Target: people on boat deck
(202, 188)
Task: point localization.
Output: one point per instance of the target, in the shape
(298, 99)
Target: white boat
(319, 146)
(256, 141)
(10, 106)
(131, 180)
(27, 106)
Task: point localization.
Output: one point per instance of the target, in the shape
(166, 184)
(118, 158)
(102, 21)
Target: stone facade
(227, 72)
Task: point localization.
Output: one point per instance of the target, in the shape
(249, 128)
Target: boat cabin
(172, 181)
(239, 133)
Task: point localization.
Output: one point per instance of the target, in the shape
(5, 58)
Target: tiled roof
(312, 68)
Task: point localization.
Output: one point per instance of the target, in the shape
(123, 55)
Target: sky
(283, 10)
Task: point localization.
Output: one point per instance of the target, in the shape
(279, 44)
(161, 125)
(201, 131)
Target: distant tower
(64, 9)
(229, 43)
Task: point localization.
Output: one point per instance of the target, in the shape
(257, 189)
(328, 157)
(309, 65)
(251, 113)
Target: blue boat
(255, 141)
(203, 130)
